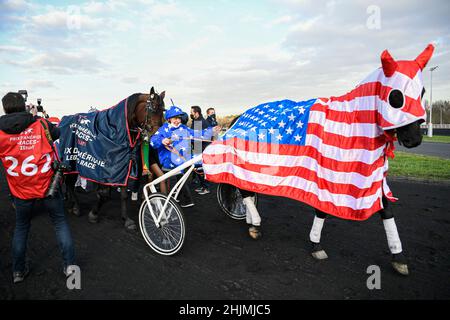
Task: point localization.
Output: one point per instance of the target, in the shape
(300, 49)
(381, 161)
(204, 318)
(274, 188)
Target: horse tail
(234, 120)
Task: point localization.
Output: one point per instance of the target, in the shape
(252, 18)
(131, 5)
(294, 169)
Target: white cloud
(305, 25)
(12, 49)
(250, 18)
(94, 7)
(129, 80)
(14, 5)
(39, 83)
(170, 9)
(62, 62)
(56, 19)
(281, 20)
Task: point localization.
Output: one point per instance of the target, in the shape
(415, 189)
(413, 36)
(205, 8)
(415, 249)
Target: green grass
(443, 139)
(419, 166)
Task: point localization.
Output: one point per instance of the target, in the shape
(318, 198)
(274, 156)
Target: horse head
(155, 102)
(400, 106)
(144, 107)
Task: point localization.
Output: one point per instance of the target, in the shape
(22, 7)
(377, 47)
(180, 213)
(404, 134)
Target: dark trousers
(55, 207)
(202, 181)
(185, 195)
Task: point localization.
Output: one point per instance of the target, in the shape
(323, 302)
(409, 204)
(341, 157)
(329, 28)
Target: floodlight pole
(430, 124)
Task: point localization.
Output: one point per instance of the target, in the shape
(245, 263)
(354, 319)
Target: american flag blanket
(330, 153)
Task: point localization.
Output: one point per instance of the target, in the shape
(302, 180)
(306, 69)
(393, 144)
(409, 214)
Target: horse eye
(396, 99)
(423, 93)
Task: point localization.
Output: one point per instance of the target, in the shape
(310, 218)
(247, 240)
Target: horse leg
(129, 223)
(156, 170)
(103, 196)
(72, 198)
(252, 214)
(315, 234)
(395, 246)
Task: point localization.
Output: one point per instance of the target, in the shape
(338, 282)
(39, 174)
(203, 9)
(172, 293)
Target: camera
(59, 168)
(39, 107)
(24, 94)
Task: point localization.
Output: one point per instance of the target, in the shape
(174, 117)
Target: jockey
(173, 139)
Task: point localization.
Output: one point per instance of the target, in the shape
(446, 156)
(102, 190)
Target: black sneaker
(19, 276)
(204, 191)
(187, 205)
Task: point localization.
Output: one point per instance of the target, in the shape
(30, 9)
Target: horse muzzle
(410, 136)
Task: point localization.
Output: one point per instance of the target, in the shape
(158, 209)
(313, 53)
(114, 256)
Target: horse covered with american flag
(330, 153)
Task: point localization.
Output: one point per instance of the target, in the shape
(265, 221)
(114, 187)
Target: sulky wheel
(168, 237)
(230, 201)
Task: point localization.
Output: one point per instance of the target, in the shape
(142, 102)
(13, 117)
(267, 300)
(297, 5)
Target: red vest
(27, 158)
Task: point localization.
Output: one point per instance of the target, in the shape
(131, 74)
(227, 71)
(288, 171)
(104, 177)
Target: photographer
(38, 110)
(27, 155)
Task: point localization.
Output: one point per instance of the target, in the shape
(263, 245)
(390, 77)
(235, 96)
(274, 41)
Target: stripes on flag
(330, 159)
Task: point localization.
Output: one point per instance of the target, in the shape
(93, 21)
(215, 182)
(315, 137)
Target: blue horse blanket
(98, 145)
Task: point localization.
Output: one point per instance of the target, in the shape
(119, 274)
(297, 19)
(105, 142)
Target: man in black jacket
(199, 123)
(26, 152)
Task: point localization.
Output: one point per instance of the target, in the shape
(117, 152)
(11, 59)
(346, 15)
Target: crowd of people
(27, 153)
(175, 143)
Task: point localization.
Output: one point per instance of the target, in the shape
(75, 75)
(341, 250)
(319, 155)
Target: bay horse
(154, 121)
(142, 112)
(340, 166)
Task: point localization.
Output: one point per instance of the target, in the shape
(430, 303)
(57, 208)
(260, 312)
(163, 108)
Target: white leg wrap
(248, 216)
(251, 208)
(316, 230)
(394, 243)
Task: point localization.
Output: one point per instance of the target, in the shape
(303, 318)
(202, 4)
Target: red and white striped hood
(399, 86)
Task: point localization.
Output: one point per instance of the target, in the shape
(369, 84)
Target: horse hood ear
(388, 63)
(162, 95)
(423, 58)
(152, 90)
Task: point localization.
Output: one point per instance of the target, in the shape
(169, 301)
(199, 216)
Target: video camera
(24, 94)
(40, 108)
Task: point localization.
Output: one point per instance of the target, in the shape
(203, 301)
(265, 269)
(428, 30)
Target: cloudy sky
(230, 54)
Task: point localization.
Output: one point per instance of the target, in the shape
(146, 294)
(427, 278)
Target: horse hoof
(255, 232)
(320, 255)
(93, 218)
(130, 224)
(76, 211)
(401, 268)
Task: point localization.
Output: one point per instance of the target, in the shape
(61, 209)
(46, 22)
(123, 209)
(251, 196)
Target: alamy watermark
(73, 277)
(73, 21)
(373, 22)
(374, 280)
